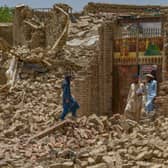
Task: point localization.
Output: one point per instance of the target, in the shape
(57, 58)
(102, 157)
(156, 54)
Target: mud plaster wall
(23, 34)
(6, 31)
(2, 76)
(165, 68)
(55, 24)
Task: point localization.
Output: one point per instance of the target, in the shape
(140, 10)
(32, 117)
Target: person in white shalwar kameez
(135, 105)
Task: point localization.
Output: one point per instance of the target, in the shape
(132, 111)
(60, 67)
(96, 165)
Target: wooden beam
(32, 25)
(49, 130)
(65, 28)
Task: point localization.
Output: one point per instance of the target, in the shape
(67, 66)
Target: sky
(77, 5)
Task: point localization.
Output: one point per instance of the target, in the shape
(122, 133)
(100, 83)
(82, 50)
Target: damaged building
(123, 51)
(102, 47)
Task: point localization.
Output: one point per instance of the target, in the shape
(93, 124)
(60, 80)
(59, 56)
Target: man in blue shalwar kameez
(69, 103)
(151, 89)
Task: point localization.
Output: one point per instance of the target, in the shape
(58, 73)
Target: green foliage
(6, 14)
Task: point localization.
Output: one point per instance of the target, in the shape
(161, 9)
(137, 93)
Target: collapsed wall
(35, 28)
(6, 30)
(6, 42)
(38, 36)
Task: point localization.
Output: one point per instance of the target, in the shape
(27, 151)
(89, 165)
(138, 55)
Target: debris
(31, 134)
(49, 130)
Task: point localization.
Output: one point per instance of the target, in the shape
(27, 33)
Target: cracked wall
(6, 30)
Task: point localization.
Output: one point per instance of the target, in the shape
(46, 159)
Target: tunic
(134, 105)
(70, 106)
(151, 88)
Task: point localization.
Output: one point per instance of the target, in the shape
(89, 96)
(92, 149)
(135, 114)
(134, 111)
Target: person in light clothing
(151, 91)
(134, 106)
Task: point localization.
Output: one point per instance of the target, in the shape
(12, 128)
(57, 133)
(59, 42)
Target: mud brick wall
(24, 34)
(93, 99)
(2, 76)
(94, 92)
(53, 22)
(19, 16)
(105, 68)
(116, 8)
(165, 58)
(162, 99)
(100, 69)
(54, 27)
(86, 90)
(6, 31)
(80, 91)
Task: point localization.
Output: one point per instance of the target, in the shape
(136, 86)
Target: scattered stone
(100, 165)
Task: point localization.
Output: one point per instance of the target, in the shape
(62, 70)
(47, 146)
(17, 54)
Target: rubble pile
(162, 99)
(144, 147)
(88, 142)
(76, 54)
(35, 28)
(31, 134)
(45, 58)
(34, 103)
(82, 41)
(4, 46)
(31, 91)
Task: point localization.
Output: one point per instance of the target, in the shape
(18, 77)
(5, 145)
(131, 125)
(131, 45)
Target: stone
(95, 119)
(99, 149)
(56, 165)
(143, 164)
(157, 166)
(100, 165)
(91, 161)
(68, 165)
(127, 165)
(98, 157)
(144, 155)
(110, 161)
(83, 164)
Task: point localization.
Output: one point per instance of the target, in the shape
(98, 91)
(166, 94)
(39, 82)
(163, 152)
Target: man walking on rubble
(134, 104)
(151, 89)
(69, 103)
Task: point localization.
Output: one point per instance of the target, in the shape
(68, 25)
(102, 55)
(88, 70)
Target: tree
(6, 14)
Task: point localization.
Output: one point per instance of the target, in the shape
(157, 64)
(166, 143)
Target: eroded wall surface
(6, 31)
(38, 28)
(165, 58)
